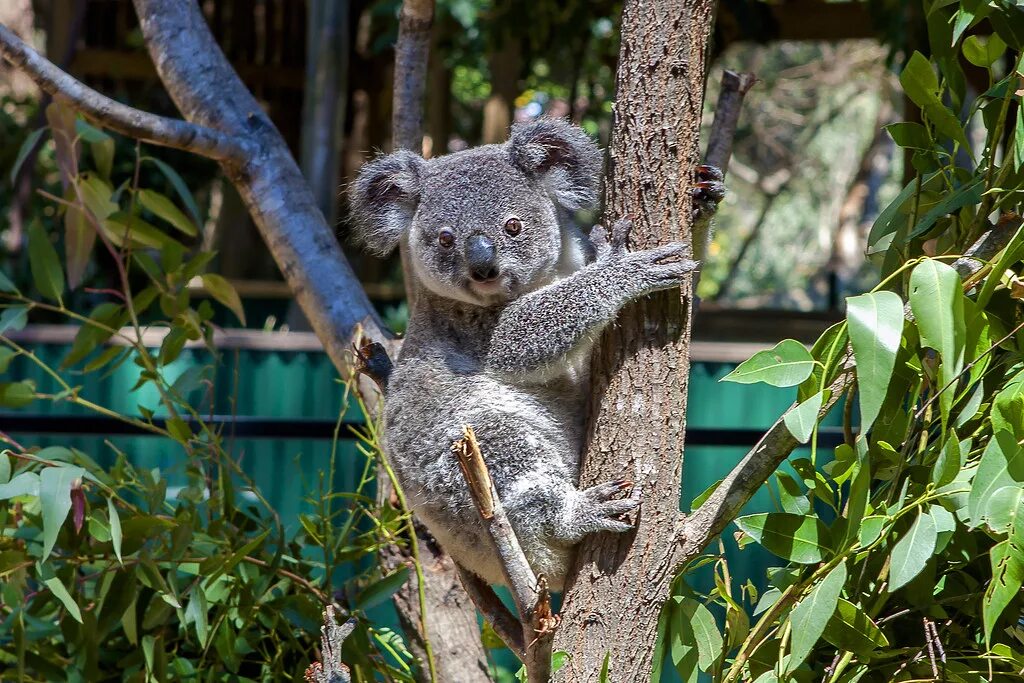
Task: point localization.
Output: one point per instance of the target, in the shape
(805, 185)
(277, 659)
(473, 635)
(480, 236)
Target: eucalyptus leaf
(61, 593)
(47, 272)
(876, 327)
(802, 419)
(797, 538)
(55, 498)
(912, 552)
(786, 364)
(812, 614)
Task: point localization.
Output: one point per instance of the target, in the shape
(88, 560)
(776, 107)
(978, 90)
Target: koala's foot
(707, 192)
(600, 509)
(613, 244)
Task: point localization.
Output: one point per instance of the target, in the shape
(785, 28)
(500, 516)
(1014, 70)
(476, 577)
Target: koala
(509, 296)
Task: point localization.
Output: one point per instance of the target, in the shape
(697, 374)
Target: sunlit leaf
(787, 364)
(876, 327)
(797, 538)
(912, 552)
(801, 420)
(1007, 577)
(812, 614)
(165, 209)
(222, 290)
(983, 51)
(115, 528)
(1002, 464)
(179, 187)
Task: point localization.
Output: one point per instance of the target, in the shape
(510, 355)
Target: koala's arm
(548, 327)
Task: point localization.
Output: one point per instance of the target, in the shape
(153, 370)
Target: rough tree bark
(641, 369)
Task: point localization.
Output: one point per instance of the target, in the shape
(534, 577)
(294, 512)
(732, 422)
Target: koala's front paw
(600, 508)
(663, 267)
(707, 192)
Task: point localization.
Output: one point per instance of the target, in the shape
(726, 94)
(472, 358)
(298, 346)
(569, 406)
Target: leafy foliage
(904, 548)
(109, 574)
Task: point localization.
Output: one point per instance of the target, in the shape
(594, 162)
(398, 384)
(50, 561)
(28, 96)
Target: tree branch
(332, 637)
(412, 51)
(530, 594)
(727, 115)
(504, 623)
(121, 118)
(723, 505)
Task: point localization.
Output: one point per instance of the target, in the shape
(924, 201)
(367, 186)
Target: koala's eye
(446, 238)
(513, 226)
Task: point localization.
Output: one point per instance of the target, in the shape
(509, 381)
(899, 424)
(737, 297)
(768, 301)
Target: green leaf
(46, 269)
(6, 285)
(123, 229)
(948, 464)
(379, 591)
(17, 394)
(180, 187)
(222, 290)
(115, 528)
(5, 468)
(61, 593)
(912, 552)
(103, 156)
(1007, 577)
(13, 319)
(1003, 508)
(26, 146)
(79, 240)
(887, 222)
(96, 194)
(983, 51)
(937, 300)
(787, 364)
(876, 327)
(1002, 464)
(922, 87)
(705, 631)
(965, 195)
(797, 538)
(165, 209)
(792, 497)
(812, 614)
(851, 630)
(25, 484)
(195, 613)
(55, 498)
(910, 136)
(801, 420)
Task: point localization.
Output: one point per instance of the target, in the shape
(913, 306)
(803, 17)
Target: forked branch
(121, 118)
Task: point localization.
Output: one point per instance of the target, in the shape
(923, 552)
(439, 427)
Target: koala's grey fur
(510, 356)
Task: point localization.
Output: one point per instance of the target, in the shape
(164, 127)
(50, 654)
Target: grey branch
(332, 637)
(533, 602)
(725, 503)
(412, 50)
(727, 115)
(121, 118)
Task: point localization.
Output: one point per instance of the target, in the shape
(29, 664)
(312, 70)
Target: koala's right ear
(383, 199)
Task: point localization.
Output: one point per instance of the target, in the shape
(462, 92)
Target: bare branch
(332, 637)
(127, 120)
(727, 115)
(722, 506)
(530, 594)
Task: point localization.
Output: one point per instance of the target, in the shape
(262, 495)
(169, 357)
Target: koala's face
(482, 225)
(483, 231)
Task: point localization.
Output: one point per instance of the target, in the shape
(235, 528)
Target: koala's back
(529, 436)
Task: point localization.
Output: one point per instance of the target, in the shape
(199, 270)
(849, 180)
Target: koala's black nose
(482, 258)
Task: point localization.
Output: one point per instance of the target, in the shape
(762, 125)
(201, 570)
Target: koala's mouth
(488, 287)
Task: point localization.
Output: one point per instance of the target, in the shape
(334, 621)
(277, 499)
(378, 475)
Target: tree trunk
(640, 371)
(505, 64)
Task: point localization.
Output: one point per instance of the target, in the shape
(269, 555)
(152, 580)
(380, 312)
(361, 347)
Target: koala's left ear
(384, 197)
(561, 157)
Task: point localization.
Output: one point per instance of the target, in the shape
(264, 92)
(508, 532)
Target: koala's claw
(604, 509)
(608, 491)
(707, 192)
(606, 244)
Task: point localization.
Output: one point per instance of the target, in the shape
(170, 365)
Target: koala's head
(483, 225)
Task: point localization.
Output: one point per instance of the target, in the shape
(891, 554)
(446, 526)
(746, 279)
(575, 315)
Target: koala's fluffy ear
(561, 157)
(383, 199)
